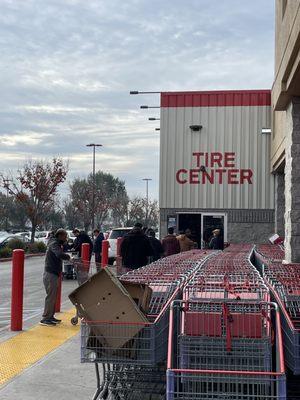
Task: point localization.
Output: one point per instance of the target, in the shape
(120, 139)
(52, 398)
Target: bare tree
(35, 188)
(137, 212)
(110, 199)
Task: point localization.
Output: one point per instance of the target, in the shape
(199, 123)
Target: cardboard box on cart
(102, 299)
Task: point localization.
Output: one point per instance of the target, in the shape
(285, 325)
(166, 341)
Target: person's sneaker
(55, 320)
(47, 322)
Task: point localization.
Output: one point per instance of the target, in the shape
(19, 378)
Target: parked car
(112, 238)
(5, 239)
(25, 236)
(42, 236)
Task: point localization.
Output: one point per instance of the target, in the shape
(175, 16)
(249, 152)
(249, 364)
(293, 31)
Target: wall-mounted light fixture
(196, 128)
(266, 131)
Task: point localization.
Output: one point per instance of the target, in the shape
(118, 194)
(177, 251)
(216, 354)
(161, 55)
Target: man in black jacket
(53, 267)
(158, 250)
(135, 248)
(99, 237)
(81, 237)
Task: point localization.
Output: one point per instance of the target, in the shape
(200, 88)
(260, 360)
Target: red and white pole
(105, 247)
(17, 286)
(85, 255)
(58, 295)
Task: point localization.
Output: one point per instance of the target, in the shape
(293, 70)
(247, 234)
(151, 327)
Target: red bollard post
(58, 295)
(17, 286)
(119, 242)
(118, 256)
(105, 247)
(85, 255)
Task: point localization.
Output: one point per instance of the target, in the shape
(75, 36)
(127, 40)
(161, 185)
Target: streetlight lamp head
(93, 145)
(134, 92)
(144, 107)
(157, 129)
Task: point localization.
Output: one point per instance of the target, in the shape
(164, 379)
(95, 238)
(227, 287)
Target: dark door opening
(192, 222)
(211, 222)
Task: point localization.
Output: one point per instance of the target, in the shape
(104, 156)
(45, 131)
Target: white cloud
(66, 69)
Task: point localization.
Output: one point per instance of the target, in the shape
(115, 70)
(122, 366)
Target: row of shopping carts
(224, 336)
(284, 283)
(131, 361)
(211, 333)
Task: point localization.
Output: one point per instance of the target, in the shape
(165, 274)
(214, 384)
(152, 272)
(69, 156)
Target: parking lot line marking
(28, 347)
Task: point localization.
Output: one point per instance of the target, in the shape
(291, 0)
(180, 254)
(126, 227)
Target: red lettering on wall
(246, 175)
(194, 176)
(216, 158)
(178, 176)
(198, 156)
(220, 172)
(206, 177)
(232, 176)
(229, 160)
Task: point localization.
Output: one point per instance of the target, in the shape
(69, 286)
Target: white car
(25, 236)
(42, 236)
(112, 238)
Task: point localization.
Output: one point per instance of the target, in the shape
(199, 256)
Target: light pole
(93, 145)
(147, 197)
(6, 186)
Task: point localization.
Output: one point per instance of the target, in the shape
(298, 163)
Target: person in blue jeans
(53, 268)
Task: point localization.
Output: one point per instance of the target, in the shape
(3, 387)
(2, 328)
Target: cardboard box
(140, 293)
(104, 299)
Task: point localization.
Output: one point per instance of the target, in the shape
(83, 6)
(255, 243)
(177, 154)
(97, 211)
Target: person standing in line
(53, 268)
(170, 244)
(156, 246)
(81, 237)
(135, 248)
(185, 242)
(97, 249)
(216, 242)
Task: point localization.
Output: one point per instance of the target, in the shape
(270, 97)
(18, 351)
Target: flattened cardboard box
(140, 293)
(103, 298)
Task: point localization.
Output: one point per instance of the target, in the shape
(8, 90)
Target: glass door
(209, 222)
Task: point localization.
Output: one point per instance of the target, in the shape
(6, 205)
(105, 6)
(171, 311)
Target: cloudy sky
(67, 66)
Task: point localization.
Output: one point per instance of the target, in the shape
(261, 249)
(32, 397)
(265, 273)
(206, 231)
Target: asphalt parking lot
(33, 292)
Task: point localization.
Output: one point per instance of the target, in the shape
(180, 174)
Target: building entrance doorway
(202, 226)
(210, 222)
(192, 222)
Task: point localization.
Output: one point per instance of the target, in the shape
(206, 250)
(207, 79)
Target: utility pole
(147, 198)
(94, 145)
(6, 186)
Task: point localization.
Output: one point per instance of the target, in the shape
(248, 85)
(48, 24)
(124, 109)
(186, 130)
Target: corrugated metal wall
(226, 128)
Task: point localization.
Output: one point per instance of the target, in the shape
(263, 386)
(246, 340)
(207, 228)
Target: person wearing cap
(136, 248)
(216, 242)
(53, 268)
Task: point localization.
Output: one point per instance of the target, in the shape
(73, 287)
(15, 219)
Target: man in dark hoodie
(53, 267)
(81, 237)
(136, 248)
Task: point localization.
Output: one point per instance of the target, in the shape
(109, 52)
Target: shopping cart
(83, 270)
(69, 271)
(284, 283)
(139, 348)
(225, 350)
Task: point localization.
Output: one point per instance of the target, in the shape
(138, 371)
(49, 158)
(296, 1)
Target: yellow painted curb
(26, 348)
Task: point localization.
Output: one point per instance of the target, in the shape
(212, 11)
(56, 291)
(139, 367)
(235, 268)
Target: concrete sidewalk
(57, 376)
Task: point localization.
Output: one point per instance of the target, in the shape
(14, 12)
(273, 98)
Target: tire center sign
(214, 168)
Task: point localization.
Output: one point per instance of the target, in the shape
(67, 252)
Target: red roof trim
(224, 98)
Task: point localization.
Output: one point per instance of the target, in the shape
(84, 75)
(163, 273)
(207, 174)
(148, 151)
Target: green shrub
(37, 247)
(16, 244)
(5, 252)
